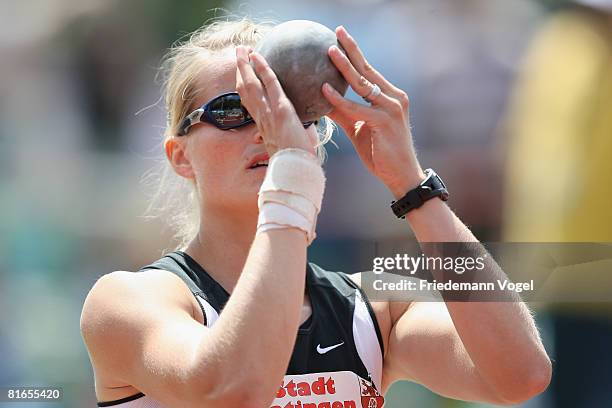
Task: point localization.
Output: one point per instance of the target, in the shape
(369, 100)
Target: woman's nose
(257, 137)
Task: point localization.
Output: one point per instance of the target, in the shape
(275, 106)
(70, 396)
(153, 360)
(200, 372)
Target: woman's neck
(222, 245)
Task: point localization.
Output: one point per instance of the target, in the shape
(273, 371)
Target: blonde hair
(175, 199)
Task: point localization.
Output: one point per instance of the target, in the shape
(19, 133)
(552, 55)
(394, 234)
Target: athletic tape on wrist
(294, 171)
(296, 202)
(292, 192)
(274, 216)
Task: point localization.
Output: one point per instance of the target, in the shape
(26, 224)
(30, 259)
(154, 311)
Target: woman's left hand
(380, 132)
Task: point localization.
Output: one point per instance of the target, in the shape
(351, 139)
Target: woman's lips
(260, 160)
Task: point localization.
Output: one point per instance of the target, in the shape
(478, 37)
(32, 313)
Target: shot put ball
(297, 53)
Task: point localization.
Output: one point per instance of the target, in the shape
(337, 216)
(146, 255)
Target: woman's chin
(254, 178)
(257, 173)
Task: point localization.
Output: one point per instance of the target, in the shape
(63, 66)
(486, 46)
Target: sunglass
(224, 111)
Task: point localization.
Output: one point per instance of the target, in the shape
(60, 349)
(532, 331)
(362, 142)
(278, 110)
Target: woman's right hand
(263, 96)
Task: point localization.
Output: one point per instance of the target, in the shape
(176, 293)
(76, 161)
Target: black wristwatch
(431, 187)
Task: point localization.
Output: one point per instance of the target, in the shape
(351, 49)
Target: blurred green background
(510, 103)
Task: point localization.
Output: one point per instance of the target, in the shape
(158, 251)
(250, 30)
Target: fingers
(268, 78)
(359, 61)
(358, 82)
(249, 87)
(343, 120)
(351, 109)
(262, 95)
(361, 65)
(351, 127)
(268, 89)
(250, 83)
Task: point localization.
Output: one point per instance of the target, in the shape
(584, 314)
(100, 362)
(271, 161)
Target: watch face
(441, 186)
(437, 182)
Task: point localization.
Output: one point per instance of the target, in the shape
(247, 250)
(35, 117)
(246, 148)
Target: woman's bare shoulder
(132, 287)
(124, 299)
(121, 310)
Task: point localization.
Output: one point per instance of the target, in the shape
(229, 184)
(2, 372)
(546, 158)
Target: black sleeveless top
(337, 357)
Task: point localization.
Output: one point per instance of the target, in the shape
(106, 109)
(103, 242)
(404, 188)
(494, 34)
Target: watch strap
(431, 187)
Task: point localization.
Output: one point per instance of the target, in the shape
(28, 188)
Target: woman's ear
(176, 152)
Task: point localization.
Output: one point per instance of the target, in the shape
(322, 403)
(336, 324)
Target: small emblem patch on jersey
(323, 350)
(370, 398)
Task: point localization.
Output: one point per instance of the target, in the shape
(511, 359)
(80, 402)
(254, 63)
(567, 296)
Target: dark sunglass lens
(228, 111)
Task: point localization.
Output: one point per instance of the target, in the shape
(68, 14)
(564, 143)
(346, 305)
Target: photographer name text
(423, 285)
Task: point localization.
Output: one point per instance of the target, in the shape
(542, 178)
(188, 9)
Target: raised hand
(261, 93)
(380, 132)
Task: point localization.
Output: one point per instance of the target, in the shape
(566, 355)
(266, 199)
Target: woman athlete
(291, 334)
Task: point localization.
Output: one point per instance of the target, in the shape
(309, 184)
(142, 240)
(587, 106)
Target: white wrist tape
(275, 216)
(295, 171)
(292, 192)
(297, 203)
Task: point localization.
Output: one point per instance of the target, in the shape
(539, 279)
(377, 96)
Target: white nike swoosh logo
(323, 350)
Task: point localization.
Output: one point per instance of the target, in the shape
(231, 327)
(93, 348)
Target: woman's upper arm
(139, 328)
(424, 347)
